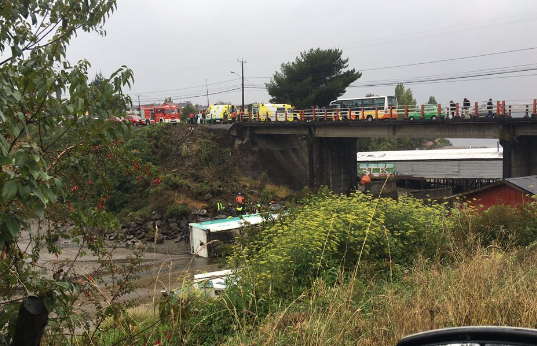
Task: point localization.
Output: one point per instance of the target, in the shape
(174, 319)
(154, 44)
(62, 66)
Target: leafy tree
(432, 101)
(316, 77)
(49, 151)
(404, 96)
(168, 100)
(98, 80)
(97, 84)
(185, 112)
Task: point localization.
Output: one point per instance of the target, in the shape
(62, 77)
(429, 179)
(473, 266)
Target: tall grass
(490, 287)
(471, 278)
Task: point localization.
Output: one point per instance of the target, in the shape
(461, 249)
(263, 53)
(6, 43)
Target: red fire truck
(165, 113)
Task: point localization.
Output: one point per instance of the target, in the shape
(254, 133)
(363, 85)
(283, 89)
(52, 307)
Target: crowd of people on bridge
(466, 112)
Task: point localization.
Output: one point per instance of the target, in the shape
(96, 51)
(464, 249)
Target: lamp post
(242, 78)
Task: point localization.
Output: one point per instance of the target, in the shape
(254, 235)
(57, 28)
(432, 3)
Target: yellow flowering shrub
(330, 232)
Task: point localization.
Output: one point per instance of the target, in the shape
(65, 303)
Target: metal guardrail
(499, 109)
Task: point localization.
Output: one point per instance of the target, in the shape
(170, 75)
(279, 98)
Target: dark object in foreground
(31, 322)
(473, 336)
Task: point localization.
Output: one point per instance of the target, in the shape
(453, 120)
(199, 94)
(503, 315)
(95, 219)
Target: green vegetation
(404, 96)
(316, 77)
(57, 149)
(334, 270)
(185, 112)
(355, 270)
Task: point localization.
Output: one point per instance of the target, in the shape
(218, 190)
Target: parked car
(113, 118)
(473, 336)
(429, 112)
(135, 120)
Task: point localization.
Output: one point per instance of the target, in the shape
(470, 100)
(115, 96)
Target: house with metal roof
(511, 191)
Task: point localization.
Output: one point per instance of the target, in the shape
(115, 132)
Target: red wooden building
(511, 191)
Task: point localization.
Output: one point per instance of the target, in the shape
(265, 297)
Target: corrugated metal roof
(431, 155)
(450, 169)
(231, 223)
(528, 183)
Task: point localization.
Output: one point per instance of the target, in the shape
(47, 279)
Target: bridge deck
(503, 128)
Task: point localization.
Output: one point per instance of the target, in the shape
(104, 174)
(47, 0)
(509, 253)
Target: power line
(494, 22)
(421, 63)
(186, 88)
(452, 59)
(191, 96)
(446, 78)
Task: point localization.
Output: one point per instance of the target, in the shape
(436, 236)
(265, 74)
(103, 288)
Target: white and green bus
(368, 108)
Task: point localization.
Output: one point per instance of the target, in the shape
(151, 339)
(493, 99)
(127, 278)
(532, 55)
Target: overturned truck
(206, 237)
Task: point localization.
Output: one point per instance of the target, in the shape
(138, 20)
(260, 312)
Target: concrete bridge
(324, 153)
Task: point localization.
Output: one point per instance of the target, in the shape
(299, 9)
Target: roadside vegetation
(356, 270)
(188, 172)
(334, 270)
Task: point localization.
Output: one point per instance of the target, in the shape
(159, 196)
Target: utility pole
(139, 107)
(242, 76)
(207, 87)
(242, 61)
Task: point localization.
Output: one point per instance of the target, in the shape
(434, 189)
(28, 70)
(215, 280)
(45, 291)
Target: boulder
(183, 223)
(160, 239)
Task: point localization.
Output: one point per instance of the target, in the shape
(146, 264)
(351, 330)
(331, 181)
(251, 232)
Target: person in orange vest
(365, 179)
(233, 116)
(240, 200)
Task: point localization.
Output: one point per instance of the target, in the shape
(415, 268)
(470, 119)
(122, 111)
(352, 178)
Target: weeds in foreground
(491, 287)
(458, 281)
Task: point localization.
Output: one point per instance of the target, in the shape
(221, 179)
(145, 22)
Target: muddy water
(163, 266)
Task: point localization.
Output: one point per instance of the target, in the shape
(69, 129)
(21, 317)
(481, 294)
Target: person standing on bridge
(233, 116)
(452, 107)
(466, 108)
(490, 107)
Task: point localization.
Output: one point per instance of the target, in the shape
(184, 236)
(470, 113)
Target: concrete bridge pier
(519, 156)
(332, 162)
(304, 160)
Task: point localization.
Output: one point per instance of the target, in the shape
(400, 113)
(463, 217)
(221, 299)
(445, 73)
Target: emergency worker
(186, 234)
(240, 199)
(365, 179)
(219, 207)
(240, 210)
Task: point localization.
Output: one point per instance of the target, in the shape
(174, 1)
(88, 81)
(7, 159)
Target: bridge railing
(477, 109)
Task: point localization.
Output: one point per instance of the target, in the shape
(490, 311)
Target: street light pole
(242, 61)
(242, 76)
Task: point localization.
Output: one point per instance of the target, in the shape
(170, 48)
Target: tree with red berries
(52, 150)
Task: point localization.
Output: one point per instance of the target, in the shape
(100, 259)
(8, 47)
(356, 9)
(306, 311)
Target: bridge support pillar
(519, 156)
(332, 162)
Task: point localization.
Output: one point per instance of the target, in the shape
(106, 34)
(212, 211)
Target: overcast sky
(176, 48)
